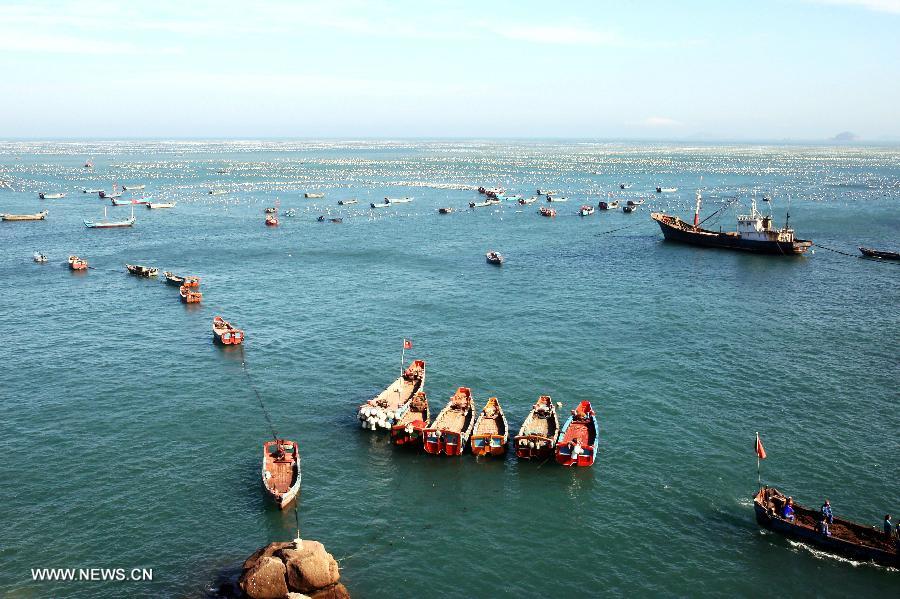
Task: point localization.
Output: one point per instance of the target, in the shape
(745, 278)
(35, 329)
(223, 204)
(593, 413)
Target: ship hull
(730, 241)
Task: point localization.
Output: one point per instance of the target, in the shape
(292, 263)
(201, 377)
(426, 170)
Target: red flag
(407, 344)
(760, 450)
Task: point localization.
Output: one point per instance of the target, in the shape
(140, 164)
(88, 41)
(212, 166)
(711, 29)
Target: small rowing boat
(383, 411)
(225, 333)
(116, 201)
(491, 431)
(173, 279)
(634, 203)
(398, 200)
(271, 220)
(556, 199)
(188, 296)
(628, 209)
(445, 210)
(548, 212)
(414, 418)
(133, 187)
(51, 196)
(666, 189)
(158, 205)
(217, 192)
(494, 258)
(624, 185)
(450, 431)
(314, 195)
(374, 205)
(524, 202)
(487, 202)
(881, 254)
(348, 202)
(586, 210)
(843, 537)
(546, 192)
(577, 444)
(281, 471)
(19, 217)
(76, 263)
(537, 437)
(142, 271)
(116, 192)
(110, 224)
(608, 205)
(91, 190)
(40, 258)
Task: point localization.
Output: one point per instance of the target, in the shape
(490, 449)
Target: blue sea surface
(129, 440)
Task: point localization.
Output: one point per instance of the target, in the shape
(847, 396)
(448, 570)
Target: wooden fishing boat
(117, 201)
(348, 202)
(608, 205)
(110, 224)
(847, 538)
(133, 187)
(91, 190)
(524, 202)
(314, 195)
(271, 220)
(270, 210)
(405, 200)
(491, 431)
(383, 410)
(450, 431)
(414, 418)
(142, 271)
(556, 199)
(225, 333)
(40, 258)
(188, 296)
(546, 192)
(445, 210)
(548, 212)
(634, 203)
(17, 217)
(374, 205)
(666, 189)
(537, 436)
(158, 205)
(586, 210)
(881, 254)
(281, 471)
(484, 204)
(578, 436)
(116, 192)
(491, 191)
(51, 196)
(76, 263)
(628, 209)
(493, 257)
(173, 279)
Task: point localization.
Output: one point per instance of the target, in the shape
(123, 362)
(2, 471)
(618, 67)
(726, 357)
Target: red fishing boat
(226, 334)
(281, 471)
(450, 431)
(383, 410)
(414, 418)
(577, 445)
(491, 431)
(188, 296)
(76, 263)
(548, 212)
(537, 437)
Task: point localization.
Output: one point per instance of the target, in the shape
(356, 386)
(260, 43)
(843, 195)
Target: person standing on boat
(888, 526)
(576, 451)
(823, 526)
(827, 513)
(788, 512)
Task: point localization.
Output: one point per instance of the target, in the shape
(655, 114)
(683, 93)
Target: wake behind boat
(383, 411)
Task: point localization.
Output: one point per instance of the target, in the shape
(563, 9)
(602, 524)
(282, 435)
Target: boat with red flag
(281, 471)
(414, 418)
(577, 444)
(537, 437)
(491, 431)
(450, 431)
(383, 410)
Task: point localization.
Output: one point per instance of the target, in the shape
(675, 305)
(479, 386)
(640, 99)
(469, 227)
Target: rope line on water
(857, 256)
(258, 394)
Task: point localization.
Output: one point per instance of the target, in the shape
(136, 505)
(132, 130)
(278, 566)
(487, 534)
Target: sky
(767, 69)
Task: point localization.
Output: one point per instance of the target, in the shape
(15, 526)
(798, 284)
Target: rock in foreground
(282, 571)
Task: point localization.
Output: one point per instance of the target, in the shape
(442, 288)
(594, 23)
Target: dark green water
(129, 440)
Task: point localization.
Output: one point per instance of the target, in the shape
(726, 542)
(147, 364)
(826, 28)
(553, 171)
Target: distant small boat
(116, 201)
(321, 218)
(142, 271)
(51, 196)
(525, 202)
(556, 199)
(347, 202)
(666, 189)
(398, 200)
(546, 192)
(116, 192)
(217, 192)
(627, 209)
(76, 263)
(374, 205)
(314, 195)
(89, 164)
(14, 217)
(509, 198)
(548, 212)
(40, 258)
(281, 471)
(110, 224)
(445, 210)
(188, 296)
(383, 410)
(491, 431)
(173, 279)
(158, 205)
(450, 431)
(586, 210)
(289, 212)
(270, 210)
(225, 333)
(624, 186)
(271, 220)
(491, 191)
(537, 437)
(634, 203)
(91, 190)
(223, 171)
(413, 419)
(337, 220)
(608, 205)
(133, 187)
(494, 258)
(881, 254)
(488, 202)
(577, 444)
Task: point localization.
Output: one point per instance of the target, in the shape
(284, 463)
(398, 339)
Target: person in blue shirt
(888, 526)
(827, 513)
(788, 512)
(823, 527)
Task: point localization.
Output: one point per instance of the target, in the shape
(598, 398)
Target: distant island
(845, 136)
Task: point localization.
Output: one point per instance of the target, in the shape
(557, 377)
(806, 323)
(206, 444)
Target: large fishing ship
(755, 233)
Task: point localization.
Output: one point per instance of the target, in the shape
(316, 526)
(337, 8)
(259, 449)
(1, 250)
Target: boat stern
(488, 445)
(529, 447)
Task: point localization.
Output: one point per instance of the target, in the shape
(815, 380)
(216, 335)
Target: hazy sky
(763, 69)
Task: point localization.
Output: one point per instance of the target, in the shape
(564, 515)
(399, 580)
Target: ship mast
(697, 208)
